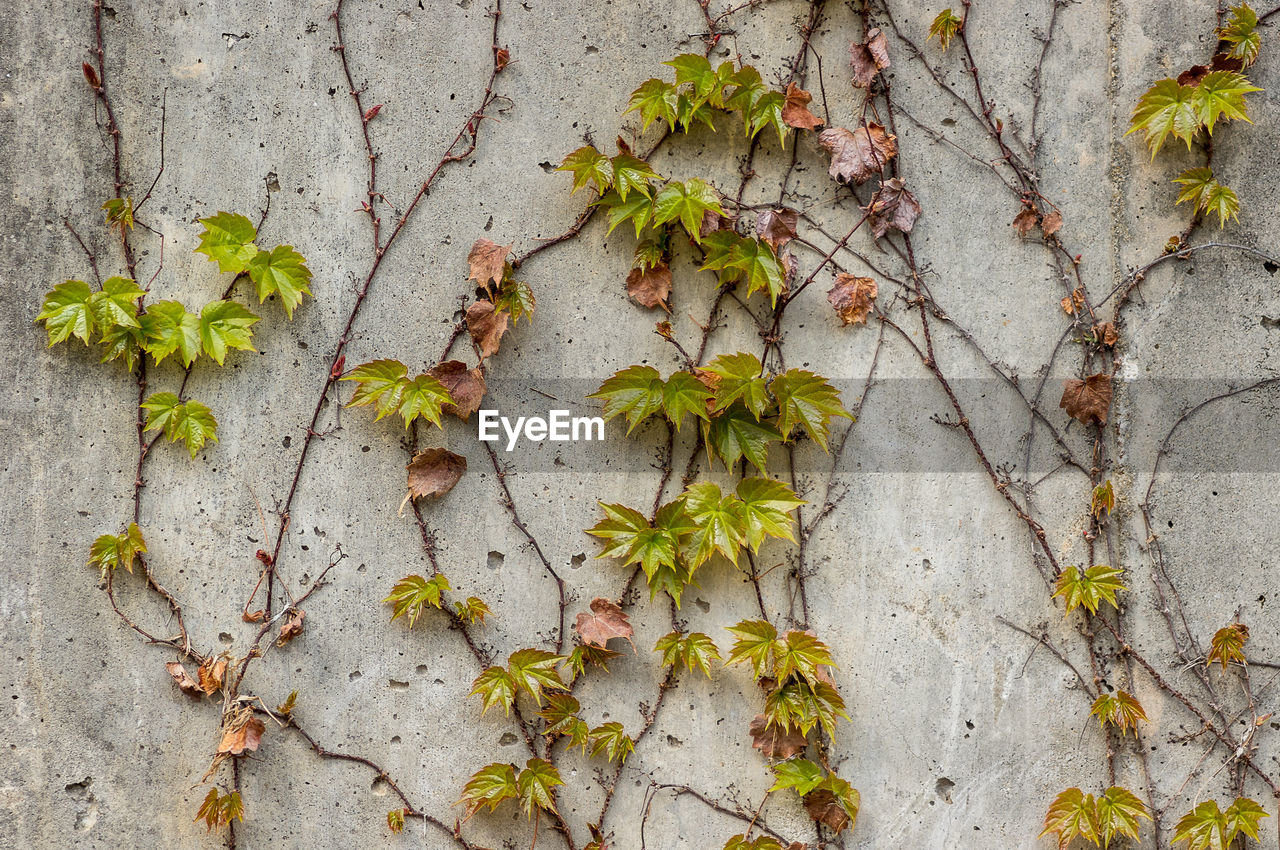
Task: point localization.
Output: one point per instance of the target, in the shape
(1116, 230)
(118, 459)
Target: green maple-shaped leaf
(654, 99)
(219, 810)
(638, 209)
(759, 264)
(224, 325)
(754, 642)
(1207, 195)
(1119, 709)
(1221, 95)
(1167, 107)
(168, 328)
(516, 297)
(281, 270)
(1072, 814)
(379, 383)
(412, 594)
(671, 579)
(122, 341)
(189, 421)
(111, 551)
(424, 397)
(802, 653)
(734, 433)
(1227, 645)
(228, 239)
(945, 27)
(695, 651)
(494, 686)
(631, 174)
(748, 89)
(1119, 811)
(720, 249)
(473, 610)
(119, 213)
(536, 783)
(760, 842)
(686, 202)
(560, 713)
(807, 400)
(114, 305)
(620, 529)
(610, 740)
(740, 378)
(585, 654)
(718, 520)
(587, 164)
(635, 391)
(798, 773)
(395, 821)
(1204, 828)
(1243, 817)
(534, 671)
(683, 393)
(695, 69)
(767, 112)
(1241, 32)
(65, 312)
(1089, 587)
(765, 510)
(489, 786)
(799, 705)
(691, 109)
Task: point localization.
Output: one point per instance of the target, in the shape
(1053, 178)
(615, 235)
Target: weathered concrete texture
(960, 732)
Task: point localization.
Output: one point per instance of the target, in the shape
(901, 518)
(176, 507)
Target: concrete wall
(960, 732)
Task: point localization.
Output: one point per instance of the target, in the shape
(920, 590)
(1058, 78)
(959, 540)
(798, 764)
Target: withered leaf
(1088, 400)
(1193, 75)
(823, 807)
(1072, 303)
(795, 110)
(713, 221)
(1051, 223)
(253, 616)
(211, 674)
(434, 472)
(775, 743)
(467, 386)
(292, 626)
(857, 155)
(1024, 221)
(501, 58)
(852, 297)
(488, 262)
(183, 678)
(486, 326)
(605, 621)
(650, 287)
(869, 58)
(893, 206)
(1106, 333)
(777, 227)
(241, 735)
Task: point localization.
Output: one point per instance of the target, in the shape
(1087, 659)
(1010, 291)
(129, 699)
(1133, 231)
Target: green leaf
(490, 786)
(686, 202)
(798, 773)
(473, 610)
(189, 421)
(218, 811)
(807, 400)
(846, 796)
(632, 174)
(767, 112)
(65, 312)
(610, 739)
(1119, 709)
(380, 383)
(423, 397)
(719, 523)
(638, 210)
(749, 88)
(760, 842)
(755, 641)
(720, 249)
(635, 391)
(683, 393)
(168, 327)
(671, 579)
(516, 297)
(121, 341)
(114, 304)
(395, 820)
(945, 27)
(495, 686)
(802, 653)
(588, 164)
(1167, 107)
(757, 261)
(695, 651)
(228, 239)
(161, 410)
(695, 69)
(281, 270)
(765, 510)
(1227, 645)
(740, 378)
(1221, 95)
(560, 713)
(1207, 195)
(621, 529)
(735, 433)
(412, 594)
(654, 99)
(224, 325)
(1204, 828)
(535, 784)
(1243, 817)
(800, 705)
(584, 654)
(120, 212)
(111, 551)
(534, 670)
(1241, 32)
(1072, 814)
(1089, 588)
(1118, 812)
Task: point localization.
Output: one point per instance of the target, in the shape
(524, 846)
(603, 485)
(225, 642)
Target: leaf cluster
(699, 90)
(493, 784)
(219, 810)
(1075, 814)
(531, 671)
(1207, 827)
(112, 551)
(828, 798)
(189, 421)
(1206, 195)
(1183, 110)
(1089, 588)
(794, 669)
(1119, 709)
(387, 387)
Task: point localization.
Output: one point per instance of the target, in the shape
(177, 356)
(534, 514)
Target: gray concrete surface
(960, 732)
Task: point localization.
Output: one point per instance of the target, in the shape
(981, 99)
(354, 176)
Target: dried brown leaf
(242, 735)
(1025, 221)
(1051, 223)
(795, 111)
(823, 807)
(1106, 333)
(853, 297)
(434, 472)
(775, 743)
(650, 287)
(488, 262)
(211, 674)
(467, 386)
(501, 58)
(893, 206)
(486, 326)
(777, 227)
(292, 626)
(183, 678)
(857, 155)
(1088, 400)
(605, 621)
(869, 58)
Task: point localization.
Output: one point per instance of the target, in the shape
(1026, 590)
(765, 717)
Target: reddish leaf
(183, 678)
(1051, 223)
(852, 297)
(90, 76)
(650, 287)
(605, 621)
(893, 206)
(713, 221)
(241, 736)
(292, 626)
(1024, 221)
(777, 227)
(368, 116)
(486, 326)
(488, 261)
(434, 472)
(501, 58)
(823, 807)
(211, 674)
(1088, 400)
(869, 58)
(795, 110)
(857, 155)
(1106, 333)
(467, 386)
(775, 743)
